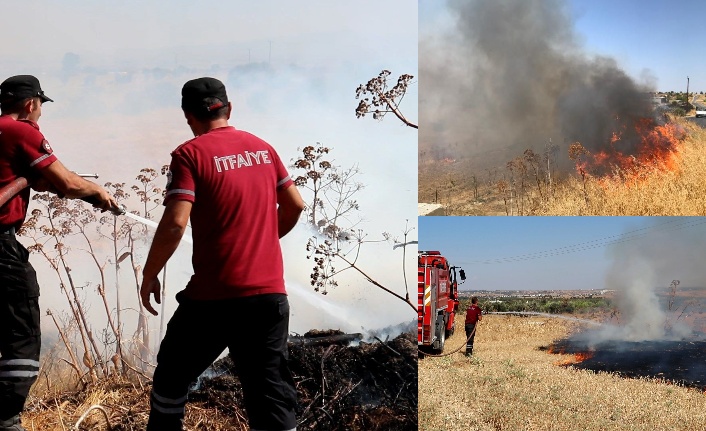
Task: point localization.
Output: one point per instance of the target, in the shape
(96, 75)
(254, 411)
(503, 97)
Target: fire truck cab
(437, 299)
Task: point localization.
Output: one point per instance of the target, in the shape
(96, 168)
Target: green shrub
(541, 305)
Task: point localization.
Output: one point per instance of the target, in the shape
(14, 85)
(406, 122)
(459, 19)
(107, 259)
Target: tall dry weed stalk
(648, 190)
(332, 212)
(64, 232)
(672, 181)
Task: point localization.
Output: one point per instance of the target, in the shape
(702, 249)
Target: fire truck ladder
(427, 315)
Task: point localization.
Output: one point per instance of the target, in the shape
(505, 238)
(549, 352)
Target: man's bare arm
(290, 208)
(166, 240)
(70, 185)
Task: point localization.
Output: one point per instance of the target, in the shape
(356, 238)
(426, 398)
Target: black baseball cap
(22, 87)
(195, 92)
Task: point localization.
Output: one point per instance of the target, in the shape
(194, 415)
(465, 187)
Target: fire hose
(526, 313)
(20, 183)
(457, 349)
(10, 190)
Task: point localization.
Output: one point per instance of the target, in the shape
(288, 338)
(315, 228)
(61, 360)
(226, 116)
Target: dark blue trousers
(255, 331)
(20, 338)
(470, 328)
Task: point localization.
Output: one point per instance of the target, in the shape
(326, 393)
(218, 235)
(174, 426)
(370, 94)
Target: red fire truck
(438, 299)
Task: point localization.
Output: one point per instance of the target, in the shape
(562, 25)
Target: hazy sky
(649, 38)
(115, 71)
(547, 253)
(310, 32)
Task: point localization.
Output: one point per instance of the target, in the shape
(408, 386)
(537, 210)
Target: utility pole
(549, 172)
(687, 90)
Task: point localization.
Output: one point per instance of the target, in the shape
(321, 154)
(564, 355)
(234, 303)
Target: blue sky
(545, 253)
(660, 38)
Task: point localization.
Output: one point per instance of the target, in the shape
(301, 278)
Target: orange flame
(657, 147)
(580, 357)
(615, 138)
(575, 359)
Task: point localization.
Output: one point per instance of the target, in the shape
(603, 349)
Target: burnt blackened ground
(682, 362)
(341, 386)
(369, 386)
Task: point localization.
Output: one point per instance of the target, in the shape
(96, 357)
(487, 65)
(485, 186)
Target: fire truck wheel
(439, 344)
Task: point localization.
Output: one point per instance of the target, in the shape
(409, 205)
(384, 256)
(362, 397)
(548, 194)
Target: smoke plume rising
(511, 75)
(641, 273)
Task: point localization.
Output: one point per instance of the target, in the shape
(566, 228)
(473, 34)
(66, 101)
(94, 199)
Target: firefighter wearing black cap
(240, 199)
(24, 152)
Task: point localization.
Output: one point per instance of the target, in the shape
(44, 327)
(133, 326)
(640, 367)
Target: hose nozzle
(120, 210)
(93, 200)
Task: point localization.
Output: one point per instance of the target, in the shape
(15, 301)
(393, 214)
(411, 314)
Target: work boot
(12, 424)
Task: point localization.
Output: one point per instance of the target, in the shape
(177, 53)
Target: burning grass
(659, 149)
(576, 358)
(371, 386)
(670, 185)
(667, 176)
(678, 361)
(511, 384)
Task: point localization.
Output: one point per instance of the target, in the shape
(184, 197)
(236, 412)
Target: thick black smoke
(510, 75)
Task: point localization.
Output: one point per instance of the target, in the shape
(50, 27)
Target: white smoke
(118, 110)
(641, 273)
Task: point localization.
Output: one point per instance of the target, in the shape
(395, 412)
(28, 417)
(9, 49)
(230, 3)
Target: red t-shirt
(472, 314)
(232, 179)
(23, 153)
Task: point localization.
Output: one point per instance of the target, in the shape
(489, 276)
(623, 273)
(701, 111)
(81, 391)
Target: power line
(674, 223)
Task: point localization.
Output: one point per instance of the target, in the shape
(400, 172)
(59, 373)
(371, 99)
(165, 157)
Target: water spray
(20, 183)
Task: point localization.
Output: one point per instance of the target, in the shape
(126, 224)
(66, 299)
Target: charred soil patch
(511, 383)
(372, 386)
(368, 386)
(681, 362)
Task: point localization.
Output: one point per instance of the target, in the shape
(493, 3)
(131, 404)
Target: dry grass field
(678, 190)
(510, 384)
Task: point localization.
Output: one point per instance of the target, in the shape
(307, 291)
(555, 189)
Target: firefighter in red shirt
(473, 315)
(241, 201)
(24, 153)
